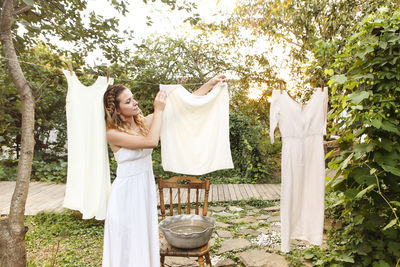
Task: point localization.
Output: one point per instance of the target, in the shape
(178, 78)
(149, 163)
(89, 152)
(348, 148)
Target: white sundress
(303, 165)
(131, 228)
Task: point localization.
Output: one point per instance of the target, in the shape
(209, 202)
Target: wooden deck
(50, 196)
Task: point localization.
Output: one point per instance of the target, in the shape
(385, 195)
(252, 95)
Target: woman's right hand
(159, 101)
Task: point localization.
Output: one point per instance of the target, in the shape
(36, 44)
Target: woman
(131, 226)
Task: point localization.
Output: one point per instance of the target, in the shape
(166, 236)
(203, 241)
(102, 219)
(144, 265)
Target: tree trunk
(12, 228)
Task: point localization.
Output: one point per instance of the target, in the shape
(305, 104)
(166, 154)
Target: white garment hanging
(195, 131)
(303, 165)
(131, 227)
(88, 175)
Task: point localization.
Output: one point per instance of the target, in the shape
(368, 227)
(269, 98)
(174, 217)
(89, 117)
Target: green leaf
(380, 263)
(24, 22)
(396, 203)
(358, 107)
(355, 36)
(391, 158)
(364, 147)
(326, 156)
(390, 127)
(376, 123)
(382, 44)
(393, 38)
(394, 248)
(328, 72)
(391, 169)
(387, 144)
(340, 79)
(358, 96)
(390, 224)
(364, 52)
(337, 203)
(363, 76)
(346, 258)
(391, 234)
(364, 191)
(29, 2)
(362, 176)
(351, 193)
(346, 161)
(308, 255)
(358, 219)
(388, 161)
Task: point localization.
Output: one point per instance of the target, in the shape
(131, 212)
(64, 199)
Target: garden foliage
(366, 116)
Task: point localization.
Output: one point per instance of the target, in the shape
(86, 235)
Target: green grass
(63, 239)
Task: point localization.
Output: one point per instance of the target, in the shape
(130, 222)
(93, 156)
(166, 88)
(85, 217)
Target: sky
(171, 23)
(165, 21)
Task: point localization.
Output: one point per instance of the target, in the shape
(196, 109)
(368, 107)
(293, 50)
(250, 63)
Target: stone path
(245, 236)
(50, 196)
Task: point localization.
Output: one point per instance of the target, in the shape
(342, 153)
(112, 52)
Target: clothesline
(81, 72)
(119, 80)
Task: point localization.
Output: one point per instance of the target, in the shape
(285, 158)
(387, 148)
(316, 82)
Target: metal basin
(187, 230)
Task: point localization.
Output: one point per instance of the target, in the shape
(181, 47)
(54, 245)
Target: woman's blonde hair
(113, 119)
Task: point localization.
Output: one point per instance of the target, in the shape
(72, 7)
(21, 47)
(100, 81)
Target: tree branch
(20, 10)
(5, 19)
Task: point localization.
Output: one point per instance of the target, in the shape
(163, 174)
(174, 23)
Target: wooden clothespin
(322, 85)
(70, 68)
(108, 75)
(281, 86)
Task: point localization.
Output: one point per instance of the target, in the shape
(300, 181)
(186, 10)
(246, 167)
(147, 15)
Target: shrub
(365, 114)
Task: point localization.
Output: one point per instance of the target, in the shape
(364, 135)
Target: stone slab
(233, 244)
(221, 224)
(180, 262)
(216, 208)
(249, 232)
(274, 208)
(226, 263)
(224, 234)
(260, 258)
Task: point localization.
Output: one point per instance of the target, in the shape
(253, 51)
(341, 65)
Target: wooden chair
(177, 183)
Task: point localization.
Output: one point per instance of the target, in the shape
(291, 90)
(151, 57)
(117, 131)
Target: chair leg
(162, 258)
(201, 261)
(208, 260)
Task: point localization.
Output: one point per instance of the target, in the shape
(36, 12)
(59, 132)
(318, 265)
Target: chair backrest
(175, 184)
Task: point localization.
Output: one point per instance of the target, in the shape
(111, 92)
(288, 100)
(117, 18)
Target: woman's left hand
(209, 85)
(219, 78)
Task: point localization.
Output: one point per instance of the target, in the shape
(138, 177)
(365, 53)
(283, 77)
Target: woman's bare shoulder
(112, 132)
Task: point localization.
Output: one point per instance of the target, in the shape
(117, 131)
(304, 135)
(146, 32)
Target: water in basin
(187, 229)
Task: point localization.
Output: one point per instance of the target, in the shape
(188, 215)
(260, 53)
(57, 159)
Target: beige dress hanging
(303, 165)
(88, 174)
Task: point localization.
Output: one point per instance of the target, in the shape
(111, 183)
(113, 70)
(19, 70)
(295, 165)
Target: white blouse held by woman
(195, 131)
